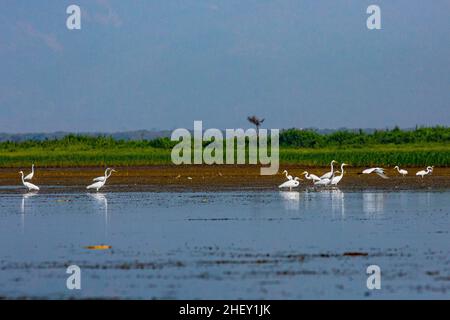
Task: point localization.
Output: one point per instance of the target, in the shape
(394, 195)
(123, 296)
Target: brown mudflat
(215, 178)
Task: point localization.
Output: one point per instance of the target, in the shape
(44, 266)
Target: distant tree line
(312, 139)
(296, 138)
(74, 141)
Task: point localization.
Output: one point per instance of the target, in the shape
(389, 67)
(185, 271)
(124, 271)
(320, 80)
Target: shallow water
(220, 245)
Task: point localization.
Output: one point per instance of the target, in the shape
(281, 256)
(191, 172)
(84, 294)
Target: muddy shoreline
(212, 178)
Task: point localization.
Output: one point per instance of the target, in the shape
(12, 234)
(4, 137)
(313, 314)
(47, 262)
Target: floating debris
(355, 254)
(98, 247)
(63, 200)
(189, 178)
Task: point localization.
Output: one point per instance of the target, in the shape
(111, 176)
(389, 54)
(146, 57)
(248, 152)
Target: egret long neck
(106, 173)
(23, 181)
(342, 169)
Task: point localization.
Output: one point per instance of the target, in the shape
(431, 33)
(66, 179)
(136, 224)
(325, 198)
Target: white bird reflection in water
(291, 199)
(102, 203)
(373, 202)
(329, 198)
(335, 197)
(23, 206)
(424, 199)
(337, 202)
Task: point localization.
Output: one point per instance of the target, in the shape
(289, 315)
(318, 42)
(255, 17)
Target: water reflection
(23, 206)
(328, 199)
(101, 200)
(373, 202)
(291, 199)
(336, 198)
(424, 199)
(337, 202)
(102, 206)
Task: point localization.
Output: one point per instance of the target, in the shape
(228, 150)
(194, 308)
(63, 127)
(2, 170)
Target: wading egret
(378, 171)
(289, 177)
(328, 175)
(326, 181)
(290, 183)
(30, 175)
(100, 184)
(28, 185)
(424, 172)
(323, 182)
(403, 172)
(310, 176)
(337, 179)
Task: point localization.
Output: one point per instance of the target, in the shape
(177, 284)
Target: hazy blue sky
(163, 64)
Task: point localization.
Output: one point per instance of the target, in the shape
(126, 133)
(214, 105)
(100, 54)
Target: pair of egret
(291, 182)
(329, 178)
(29, 185)
(422, 173)
(99, 182)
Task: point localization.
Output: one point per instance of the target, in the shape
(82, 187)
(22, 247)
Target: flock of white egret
(331, 179)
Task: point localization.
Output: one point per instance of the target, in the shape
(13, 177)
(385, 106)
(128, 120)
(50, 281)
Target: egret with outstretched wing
(378, 171)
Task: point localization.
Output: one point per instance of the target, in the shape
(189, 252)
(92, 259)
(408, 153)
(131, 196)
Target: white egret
(310, 176)
(403, 172)
(289, 177)
(28, 185)
(378, 171)
(99, 184)
(30, 175)
(290, 183)
(102, 178)
(423, 173)
(323, 182)
(329, 174)
(337, 179)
